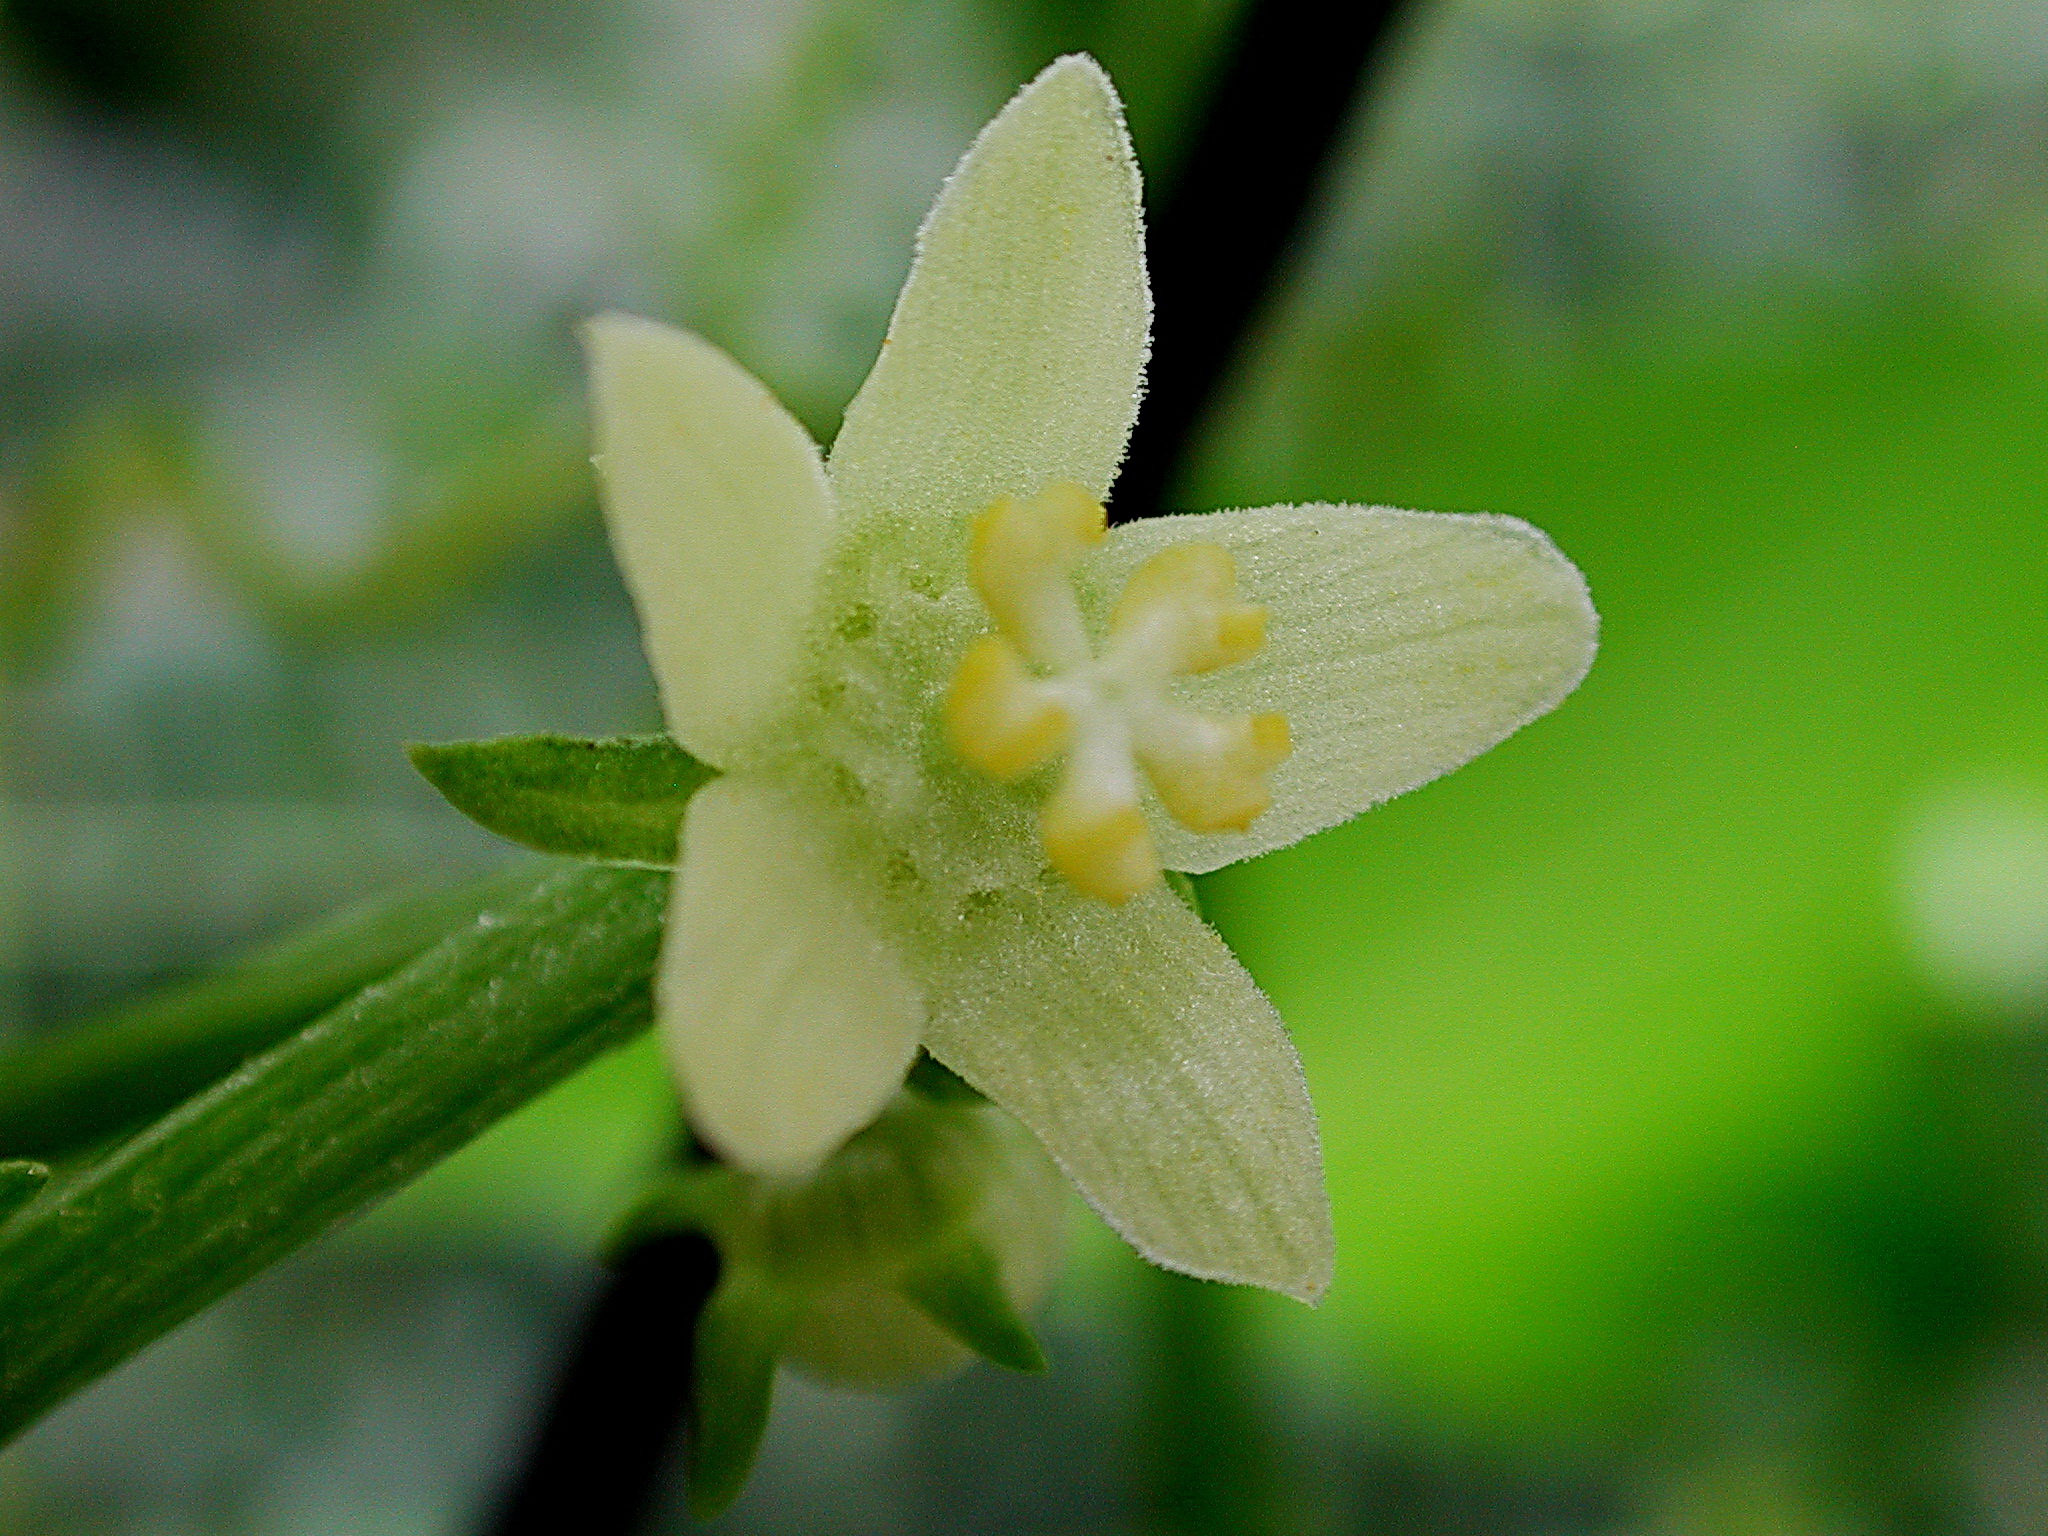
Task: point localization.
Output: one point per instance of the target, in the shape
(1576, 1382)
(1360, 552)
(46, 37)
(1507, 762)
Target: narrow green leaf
(68, 1090)
(344, 1111)
(738, 1338)
(20, 1182)
(961, 1289)
(617, 801)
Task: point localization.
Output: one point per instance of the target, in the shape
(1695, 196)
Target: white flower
(859, 881)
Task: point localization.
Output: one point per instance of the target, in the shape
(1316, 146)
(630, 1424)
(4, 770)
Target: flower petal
(787, 1016)
(1017, 351)
(719, 515)
(1138, 1051)
(1400, 645)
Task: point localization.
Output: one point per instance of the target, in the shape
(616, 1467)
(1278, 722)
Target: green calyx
(612, 800)
(925, 1237)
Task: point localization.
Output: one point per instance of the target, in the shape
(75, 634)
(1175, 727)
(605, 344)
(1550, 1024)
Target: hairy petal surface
(1017, 351)
(1145, 1060)
(1400, 645)
(787, 1015)
(719, 515)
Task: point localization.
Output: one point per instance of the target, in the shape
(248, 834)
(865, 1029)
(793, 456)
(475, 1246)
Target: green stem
(94, 1080)
(344, 1111)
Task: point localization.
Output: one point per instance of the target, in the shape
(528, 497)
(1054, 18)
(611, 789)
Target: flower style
(883, 655)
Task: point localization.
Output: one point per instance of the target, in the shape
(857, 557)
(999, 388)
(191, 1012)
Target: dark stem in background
(1237, 213)
(1236, 216)
(1239, 208)
(595, 1466)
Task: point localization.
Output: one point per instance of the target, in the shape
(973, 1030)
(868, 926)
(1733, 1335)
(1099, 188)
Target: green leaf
(738, 1338)
(369, 1095)
(961, 1289)
(65, 1092)
(20, 1182)
(617, 800)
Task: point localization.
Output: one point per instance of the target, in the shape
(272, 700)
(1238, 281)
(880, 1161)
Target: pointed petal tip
(1073, 79)
(1016, 353)
(610, 330)
(1308, 1283)
(1311, 1289)
(1076, 67)
(1073, 84)
(1082, 81)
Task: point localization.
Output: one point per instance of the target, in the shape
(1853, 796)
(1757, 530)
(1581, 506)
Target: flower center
(1036, 689)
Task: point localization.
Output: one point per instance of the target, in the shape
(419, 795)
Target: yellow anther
(1018, 557)
(1211, 774)
(1181, 605)
(1035, 689)
(998, 715)
(1104, 850)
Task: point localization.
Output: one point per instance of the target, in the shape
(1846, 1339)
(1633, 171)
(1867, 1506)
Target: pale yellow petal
(1398, 646)
(1017, 351)
(1154, 1071)
(787, 1014)
(719, 516)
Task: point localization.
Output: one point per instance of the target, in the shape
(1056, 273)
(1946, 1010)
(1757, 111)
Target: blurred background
(1683, 1063)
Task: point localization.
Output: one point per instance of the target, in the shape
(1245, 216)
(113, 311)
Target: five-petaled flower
(960, 727)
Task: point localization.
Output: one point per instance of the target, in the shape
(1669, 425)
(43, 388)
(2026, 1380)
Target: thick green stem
(94, 1080)
(342, 1112)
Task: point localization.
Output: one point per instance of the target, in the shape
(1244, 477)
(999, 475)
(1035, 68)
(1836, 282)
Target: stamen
(1179, 614)
(1093, 828)
(1018, 558)
(1181, 606)
(1210, 773)
(1001, 719)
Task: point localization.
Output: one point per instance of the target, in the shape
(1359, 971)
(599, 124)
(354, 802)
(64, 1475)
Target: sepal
(739, 1336)
(699, 1197)
(928, 1235)
(912, 1179)
(614, 800)
(960, 1288)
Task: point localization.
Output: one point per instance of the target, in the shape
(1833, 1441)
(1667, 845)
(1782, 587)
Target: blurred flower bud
(921, 1242)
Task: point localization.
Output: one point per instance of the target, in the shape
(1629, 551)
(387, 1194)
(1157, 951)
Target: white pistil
(1034, 689)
